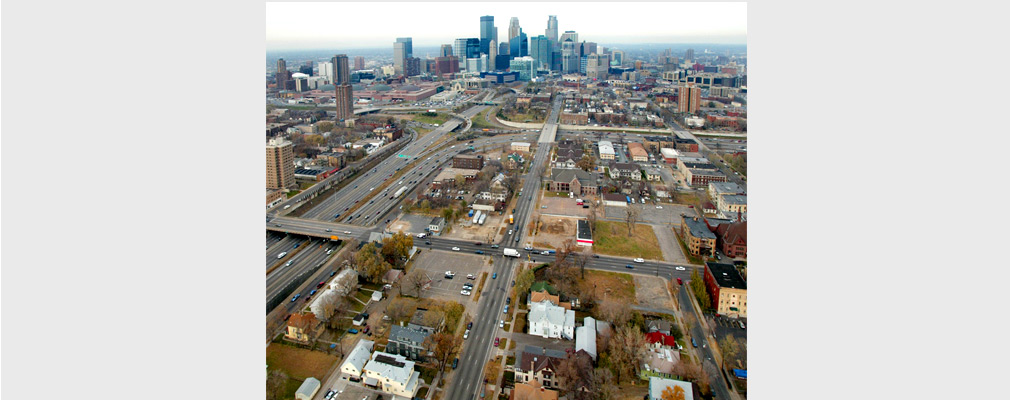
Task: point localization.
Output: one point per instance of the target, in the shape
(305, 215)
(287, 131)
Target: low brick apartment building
(468, 161)
(727, 289)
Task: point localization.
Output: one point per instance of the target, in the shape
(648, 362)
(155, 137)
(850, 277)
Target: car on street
(469, 325)
(639, 260)
(496, 341)
(494, 246)
(544, 252)
(494, 275)
(296, 297)
(629, 266)
(680, 268)
(479, 252)
(347, 232)
(330, 230)
(501, 324)
(477, 243)
(352, 331)
(466, 334)
(470, 276)
(313, 292)
(464, 292)
(333, 273)
(510, 231)
(455, 248)
(506, 310)
(596, 256)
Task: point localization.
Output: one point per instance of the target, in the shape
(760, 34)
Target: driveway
(668, 244)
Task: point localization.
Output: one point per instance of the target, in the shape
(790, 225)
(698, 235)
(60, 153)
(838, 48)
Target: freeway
(283, 280)
(476, 351)
(284, 245)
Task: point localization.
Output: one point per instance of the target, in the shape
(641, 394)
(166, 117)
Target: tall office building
(503, 48)
(341, 71)
(513, 28)
(326, 70)
(618, 58)
(596, 66)
(359, 63)
(413, 67)
(486, 33)
(403, 49)
(688, 98)
(282, 74)
(465, 48)
(526, 67)
(569, 35)
(306, 69)
(540, 50)
(552, 31)
(446, 65)
(280, 164)
(445, 50)
(556, 60)
(689, 54)
(492, 54)
(519, 46)
(588, 48)
(569, 58)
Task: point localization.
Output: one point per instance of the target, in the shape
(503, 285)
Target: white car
(639, 260)
(455, 249)
(501, 324)
(347, 232)
(464, 292)
(680, 268)
(466, 334)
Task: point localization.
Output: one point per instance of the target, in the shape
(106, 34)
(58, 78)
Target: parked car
(494, 275)
(352, 331)
(496, 340)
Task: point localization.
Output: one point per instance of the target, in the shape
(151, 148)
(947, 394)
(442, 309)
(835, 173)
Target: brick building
(468, 161)
(726, 288)
(698, 238)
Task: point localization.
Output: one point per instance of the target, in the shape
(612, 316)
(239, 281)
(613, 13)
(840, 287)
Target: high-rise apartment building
(445, 50)
(359, 63)
(306, 68)
(341, 71)
(688, 98)
(588, 48)
(403, 49)
(597, 66)
(280, 164)
(540, 50)
(689, 54)
(486, 33)
(569, 57)
(282, 74)
(344, 99)
(513, 28)
(552, 32)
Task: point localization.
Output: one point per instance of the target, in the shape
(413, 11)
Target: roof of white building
(393, 366)
(359, 356)
(546, 312)
(585, 337)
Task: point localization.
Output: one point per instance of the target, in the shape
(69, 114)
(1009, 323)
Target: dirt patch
(299, 363)
(611, 286)
(652, 292)
(554, 231)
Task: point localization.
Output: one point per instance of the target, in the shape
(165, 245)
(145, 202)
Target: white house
(521, 146)
(393, 374)
(550, 321)
(354, 365)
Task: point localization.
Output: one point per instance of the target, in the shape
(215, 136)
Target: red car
(320, 284)
(495, 341)
(690, 206)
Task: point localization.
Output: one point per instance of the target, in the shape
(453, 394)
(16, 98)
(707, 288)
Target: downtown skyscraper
(513, 28)
(552, 32)
(487, 31)
(282, 74)
(540, 50)
(403, 49)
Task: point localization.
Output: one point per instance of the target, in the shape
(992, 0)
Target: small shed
(376, 295)
(308, 389)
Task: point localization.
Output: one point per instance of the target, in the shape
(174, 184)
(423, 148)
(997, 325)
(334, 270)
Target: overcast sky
(297, 26)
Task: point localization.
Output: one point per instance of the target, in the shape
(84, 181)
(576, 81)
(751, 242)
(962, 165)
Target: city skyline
(309, 26)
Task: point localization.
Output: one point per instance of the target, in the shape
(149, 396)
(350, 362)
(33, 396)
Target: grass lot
(363, 296)
(293, 193)
(521, 117)
(480, 287)
(428, 374)
(422, 131)
(305, 185)
(299, 363)
(438, 119)
(611, 237)
(621, 286)
(555, 194)
(502, 343)
(520, 324)
(480, 123)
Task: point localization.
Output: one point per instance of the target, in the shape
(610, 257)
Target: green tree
(325, 126)
(524, 281)
(698, 288)
(729, 347)
(447, 214)
(395, 248)
(370, 263)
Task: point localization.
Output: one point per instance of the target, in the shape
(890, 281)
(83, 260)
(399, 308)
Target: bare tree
(631, 217)
(416, 279)
(729, 347)
(444, 346)
(276, 380)
(618, 313)
(581, 259)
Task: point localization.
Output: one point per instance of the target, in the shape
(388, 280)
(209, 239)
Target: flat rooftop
(726, 275)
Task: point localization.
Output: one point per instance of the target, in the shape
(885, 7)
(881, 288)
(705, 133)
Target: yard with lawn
(611, 237)
(299, 363)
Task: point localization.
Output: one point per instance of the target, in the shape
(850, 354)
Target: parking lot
(410, 223)
(563, 206)
(724, 326)
(434, 263)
